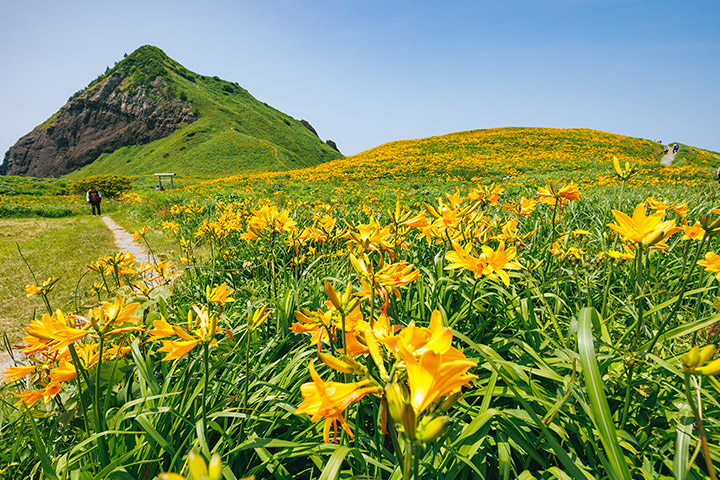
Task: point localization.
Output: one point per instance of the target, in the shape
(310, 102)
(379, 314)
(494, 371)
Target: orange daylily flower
(16, 373)
(694, 232)
(551, 196)
(329, 400)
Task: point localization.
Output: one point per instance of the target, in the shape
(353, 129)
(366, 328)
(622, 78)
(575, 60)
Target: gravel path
(123, 242)
(668, 158)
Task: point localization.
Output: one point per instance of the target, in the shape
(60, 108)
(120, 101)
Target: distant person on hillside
(676, 147)
(666, 150)
(718, 174)
(94, 198)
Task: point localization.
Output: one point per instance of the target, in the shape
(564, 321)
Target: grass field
(54, 248)
(374, 324)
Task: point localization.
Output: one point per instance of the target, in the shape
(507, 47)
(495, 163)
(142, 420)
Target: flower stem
(676, 306)
(205, 389)
(99, 415)
(701, 428)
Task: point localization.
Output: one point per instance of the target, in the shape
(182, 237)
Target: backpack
(94, 196)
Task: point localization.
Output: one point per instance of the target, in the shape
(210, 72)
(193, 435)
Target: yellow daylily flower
(696, 361)
(711, 263)
(646, 230)
(329, 400)
(219, 294)
(694, 232)
(16, 373)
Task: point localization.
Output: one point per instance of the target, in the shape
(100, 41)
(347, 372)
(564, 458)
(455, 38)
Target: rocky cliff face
(104, 118)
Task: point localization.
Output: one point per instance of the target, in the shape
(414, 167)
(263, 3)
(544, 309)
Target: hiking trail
(668, 158)
(123, 243)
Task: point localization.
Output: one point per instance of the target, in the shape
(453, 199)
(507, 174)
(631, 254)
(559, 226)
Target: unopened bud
(396, 396)
(357, 368)
(332, 295)
(215, 467)
(712, 368)
(94, 322)
(197, 466)
(432, 211)
(213, 326)
(430, 430)
(409, 420)
(335, 363)
(656, 237)
(449, 401)
(347, 295)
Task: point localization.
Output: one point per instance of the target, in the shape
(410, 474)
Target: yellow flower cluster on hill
(514, 155)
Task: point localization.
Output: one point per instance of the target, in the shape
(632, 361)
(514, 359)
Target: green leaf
(40, 446)
(683, 435)
(332, 468)
(595, 390)
(684, 329)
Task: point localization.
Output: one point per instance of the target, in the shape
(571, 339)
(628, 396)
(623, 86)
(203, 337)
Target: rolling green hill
(511, 156)
(233, 132)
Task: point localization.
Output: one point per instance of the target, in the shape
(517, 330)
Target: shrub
(109, 185)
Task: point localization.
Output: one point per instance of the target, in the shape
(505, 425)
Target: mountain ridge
(148, 97)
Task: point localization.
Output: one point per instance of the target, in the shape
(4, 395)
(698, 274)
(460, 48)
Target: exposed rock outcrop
(332, 145)
(307, 125)
(107, 116)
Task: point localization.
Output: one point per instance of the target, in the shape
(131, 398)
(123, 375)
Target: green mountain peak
(149, 113)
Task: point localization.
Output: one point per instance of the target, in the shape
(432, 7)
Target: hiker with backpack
(93, 197)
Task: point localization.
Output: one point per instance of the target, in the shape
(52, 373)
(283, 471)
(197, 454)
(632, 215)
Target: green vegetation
(234, 131)
(579, 356)
(54, 248)
(578, 335)
(111, 186)
(14, 185)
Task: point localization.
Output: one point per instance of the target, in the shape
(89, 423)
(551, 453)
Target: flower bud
(170, 476)
(430, 430)
(655, 238)
(691, 358)
(213, 326)
(409, 420)
(197, 466)
(357, 368)
(215, 467)
(432, 211)
(335, 363)
(396, 395)
(706, 353)
(712, 368)
(449, 401)
(333, 296)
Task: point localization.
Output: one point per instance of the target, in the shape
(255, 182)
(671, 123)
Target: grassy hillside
(234, 132)
(515, 156)
(519, 159)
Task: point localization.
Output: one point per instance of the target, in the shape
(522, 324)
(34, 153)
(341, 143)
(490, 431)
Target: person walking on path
(94, 198)
(676, 147)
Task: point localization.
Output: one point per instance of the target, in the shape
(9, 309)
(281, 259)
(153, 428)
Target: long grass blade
(595, 389)
(332, 468)
(683, 435)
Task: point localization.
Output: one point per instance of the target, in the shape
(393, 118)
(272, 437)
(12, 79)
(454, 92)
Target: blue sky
(366, 72)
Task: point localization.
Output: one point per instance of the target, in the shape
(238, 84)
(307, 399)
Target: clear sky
(366, 72)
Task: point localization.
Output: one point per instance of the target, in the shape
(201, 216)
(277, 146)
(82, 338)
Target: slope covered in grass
(514, 156)
(234, 132)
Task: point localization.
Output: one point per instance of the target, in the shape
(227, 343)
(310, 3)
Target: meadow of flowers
(513, 156)
(492, 331)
